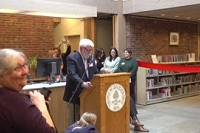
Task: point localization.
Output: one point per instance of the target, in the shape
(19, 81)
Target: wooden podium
(110, 101)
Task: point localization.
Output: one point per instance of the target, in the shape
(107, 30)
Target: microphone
(92, 59)
(29, 77)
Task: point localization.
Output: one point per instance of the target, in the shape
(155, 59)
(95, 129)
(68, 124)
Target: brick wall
(151, 36)
(31, 34)
(35, 35)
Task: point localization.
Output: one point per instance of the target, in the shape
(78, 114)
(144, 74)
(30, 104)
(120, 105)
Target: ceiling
(47, 8)
(186, 13)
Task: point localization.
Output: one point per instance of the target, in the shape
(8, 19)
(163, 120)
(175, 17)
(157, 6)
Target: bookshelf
(154, 86)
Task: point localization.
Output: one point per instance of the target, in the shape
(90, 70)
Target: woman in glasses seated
(20, 113)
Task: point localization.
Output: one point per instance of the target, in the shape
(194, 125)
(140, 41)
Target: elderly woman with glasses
(19, 112)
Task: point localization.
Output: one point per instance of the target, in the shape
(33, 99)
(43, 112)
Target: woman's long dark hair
(116, 52)
(99, 51)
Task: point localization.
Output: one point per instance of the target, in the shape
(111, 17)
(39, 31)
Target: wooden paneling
(94, 100)
(58, 108)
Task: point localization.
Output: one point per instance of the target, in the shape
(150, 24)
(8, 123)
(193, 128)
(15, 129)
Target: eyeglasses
(21, 67)
(88, 50)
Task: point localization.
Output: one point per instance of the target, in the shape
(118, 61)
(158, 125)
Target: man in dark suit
(80, 70)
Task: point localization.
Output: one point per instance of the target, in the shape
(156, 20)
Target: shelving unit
(154, 86)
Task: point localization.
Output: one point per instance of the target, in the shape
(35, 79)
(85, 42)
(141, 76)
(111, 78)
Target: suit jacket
(76, 75)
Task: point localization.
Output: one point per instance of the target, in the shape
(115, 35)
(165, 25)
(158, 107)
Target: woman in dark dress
(64, 57)
(100, 57)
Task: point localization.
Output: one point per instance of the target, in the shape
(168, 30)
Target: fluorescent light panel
(45, 8)
(9, 11)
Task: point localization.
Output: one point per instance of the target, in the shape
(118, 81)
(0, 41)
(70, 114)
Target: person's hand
(105, 70)
(60, 43)
(67, 42)
(87, 85)
(37, 98)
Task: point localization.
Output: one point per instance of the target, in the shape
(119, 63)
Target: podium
(109, 99)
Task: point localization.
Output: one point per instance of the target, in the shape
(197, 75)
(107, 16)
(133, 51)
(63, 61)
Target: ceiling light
(162, 15)
(188, 18)
(47, 8)
(55, 14)
(117, 0)
(9, 11)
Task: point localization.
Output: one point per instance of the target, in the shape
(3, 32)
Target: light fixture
(55, 15)
(162, 15)
(47, 8)
(122, 0)
(9, 11)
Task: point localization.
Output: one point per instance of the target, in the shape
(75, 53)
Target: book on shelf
(190, 57)
(149, 95)
(151, 72)
(150, 83)
(154, 59)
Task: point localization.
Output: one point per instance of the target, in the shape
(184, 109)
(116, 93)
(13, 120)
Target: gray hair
(8, 60)
(85, 42)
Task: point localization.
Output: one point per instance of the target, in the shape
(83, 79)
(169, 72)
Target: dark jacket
(76, 75)
(88, 129)
(64, 59)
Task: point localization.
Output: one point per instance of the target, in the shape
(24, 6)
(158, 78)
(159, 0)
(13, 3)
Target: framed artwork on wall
(174, 38)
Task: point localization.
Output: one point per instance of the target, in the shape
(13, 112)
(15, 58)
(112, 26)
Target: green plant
(32, 62)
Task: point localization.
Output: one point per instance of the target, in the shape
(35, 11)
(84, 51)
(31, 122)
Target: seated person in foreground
(18, 112)
(84, 125)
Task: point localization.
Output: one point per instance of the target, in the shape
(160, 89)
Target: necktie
(86, 66)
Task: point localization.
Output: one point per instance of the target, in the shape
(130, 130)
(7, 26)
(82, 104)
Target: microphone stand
(73, 93)
(72, 97)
